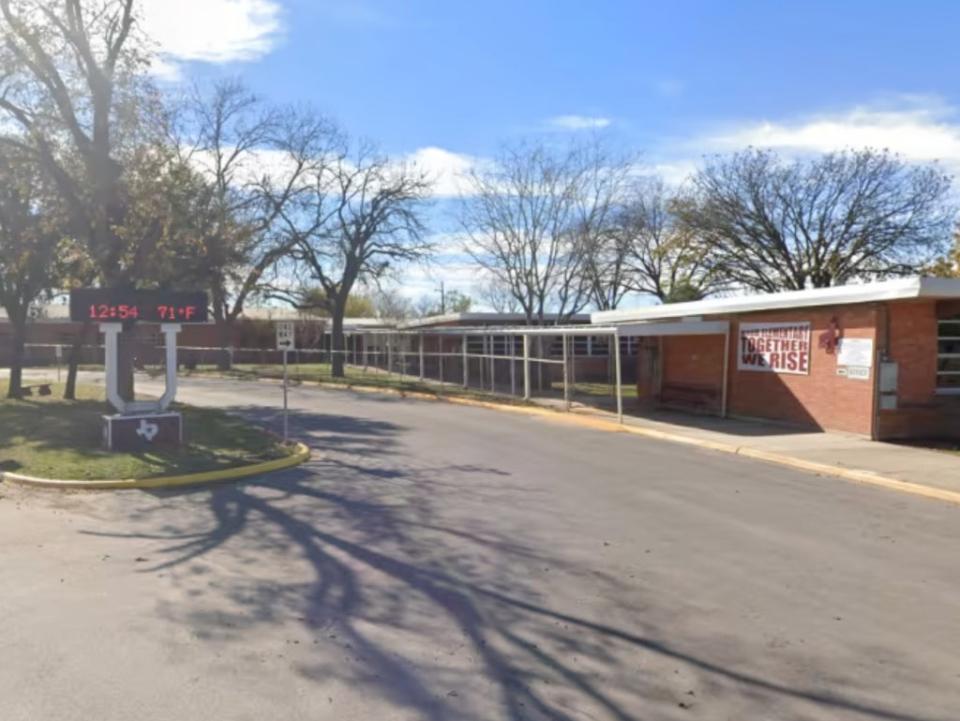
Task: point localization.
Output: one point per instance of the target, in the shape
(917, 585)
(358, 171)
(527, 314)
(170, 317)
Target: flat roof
(476, 318)
(898, 289)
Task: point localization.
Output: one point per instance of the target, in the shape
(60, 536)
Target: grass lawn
(320, 372)
(354, 376)
(53, 438)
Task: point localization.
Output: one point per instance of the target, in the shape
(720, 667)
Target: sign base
(142, 432)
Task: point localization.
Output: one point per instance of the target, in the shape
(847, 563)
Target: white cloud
(447, 169)
(675, 172)
(920, 132)
(212, 31)
(578, 122)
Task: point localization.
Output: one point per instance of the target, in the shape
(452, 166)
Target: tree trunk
(225, 341)
(337, 342)
(15, 389)
(73, 363)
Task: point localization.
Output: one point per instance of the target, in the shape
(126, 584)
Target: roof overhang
(898, 289)
(684, 327)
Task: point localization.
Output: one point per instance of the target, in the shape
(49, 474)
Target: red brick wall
(912, 344)
(821, 398)
(693, 361)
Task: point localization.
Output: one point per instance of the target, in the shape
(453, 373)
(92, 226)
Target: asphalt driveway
(444, 562)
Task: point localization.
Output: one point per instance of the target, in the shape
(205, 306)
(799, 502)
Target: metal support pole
(286, 423)
(366, 352)
(573, 362)
(440, 365)
(619, 378)
(389, 356)
(480, 362)
(566, 384)
(726, 362)
(463, 350)
(493, 365)
(526, 367)
(420, 336)
(513, 365)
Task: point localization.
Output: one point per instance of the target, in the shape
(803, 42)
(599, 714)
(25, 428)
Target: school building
(877, 359)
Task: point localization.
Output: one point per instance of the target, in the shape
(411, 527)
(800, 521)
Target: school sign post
(139, 425)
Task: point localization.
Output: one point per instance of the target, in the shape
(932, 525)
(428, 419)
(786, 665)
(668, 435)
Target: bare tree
(255, 161)
(360, 218)
(494, 293)
(536, 216)
(653, 253)
(773, 225)
(392, 305)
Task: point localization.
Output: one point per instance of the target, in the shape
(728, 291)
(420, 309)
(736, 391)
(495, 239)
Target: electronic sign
(114, 305)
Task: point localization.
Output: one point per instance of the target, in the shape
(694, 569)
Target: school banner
(774, 347)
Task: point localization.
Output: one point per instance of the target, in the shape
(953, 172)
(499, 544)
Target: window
(948, 354)
(495, 345)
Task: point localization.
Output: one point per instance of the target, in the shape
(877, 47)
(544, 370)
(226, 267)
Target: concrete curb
(301, 455)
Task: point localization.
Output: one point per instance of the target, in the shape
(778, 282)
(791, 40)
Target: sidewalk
(848, 455)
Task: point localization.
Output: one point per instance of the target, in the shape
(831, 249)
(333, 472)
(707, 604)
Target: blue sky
(447, 82)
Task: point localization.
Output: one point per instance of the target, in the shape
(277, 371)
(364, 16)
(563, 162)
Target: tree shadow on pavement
(434, 608)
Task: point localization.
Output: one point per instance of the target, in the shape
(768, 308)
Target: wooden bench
(690, 396)
(43, 389)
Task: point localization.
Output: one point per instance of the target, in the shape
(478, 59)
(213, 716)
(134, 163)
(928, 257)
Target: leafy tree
(314, 301)
(452, 302)
(773, 225)
(74, 91)
(31, 233)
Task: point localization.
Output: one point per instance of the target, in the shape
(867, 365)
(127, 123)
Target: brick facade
(904, 332)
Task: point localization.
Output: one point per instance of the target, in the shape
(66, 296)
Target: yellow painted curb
(301, 455)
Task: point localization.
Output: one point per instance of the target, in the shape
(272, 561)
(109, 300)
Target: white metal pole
(463, 350)
(566, 385)
(526, 366)
(493, 365)
(481, 362)
(726, 362)
(420, 337)
(286, 426)
(513, 364)
(440, 364)
(616, 363)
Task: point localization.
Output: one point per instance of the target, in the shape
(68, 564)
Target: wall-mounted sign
(855, 352)
(855, 358)
(114, 305)
(774, 347)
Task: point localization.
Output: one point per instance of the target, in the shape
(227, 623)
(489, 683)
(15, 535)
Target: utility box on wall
(888, 386)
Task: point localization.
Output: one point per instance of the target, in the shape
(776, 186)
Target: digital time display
(110, 305)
